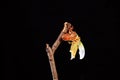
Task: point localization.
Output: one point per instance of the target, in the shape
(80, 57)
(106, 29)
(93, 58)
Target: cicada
(72, 38)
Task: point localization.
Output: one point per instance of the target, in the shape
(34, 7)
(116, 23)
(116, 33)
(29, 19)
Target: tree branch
(50, 51)
(52, 62)
(59, 40)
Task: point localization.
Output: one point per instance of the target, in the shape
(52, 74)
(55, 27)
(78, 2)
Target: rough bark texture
(50, 51)
(52, 62)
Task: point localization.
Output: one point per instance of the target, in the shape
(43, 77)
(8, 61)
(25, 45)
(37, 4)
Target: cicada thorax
(66, 37)
(70, 36)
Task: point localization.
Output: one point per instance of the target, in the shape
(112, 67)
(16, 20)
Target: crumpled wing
(81, 50)
(73, 49)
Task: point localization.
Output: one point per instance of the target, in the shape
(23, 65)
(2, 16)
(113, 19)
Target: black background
(28, 26)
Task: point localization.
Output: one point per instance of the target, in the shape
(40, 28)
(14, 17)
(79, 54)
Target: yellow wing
(73, 49)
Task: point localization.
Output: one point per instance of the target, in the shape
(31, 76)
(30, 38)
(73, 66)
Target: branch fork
(51, 50)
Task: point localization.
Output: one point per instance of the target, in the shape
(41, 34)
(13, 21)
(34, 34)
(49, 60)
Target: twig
(58, 41)
(50, 51)
(52, 62)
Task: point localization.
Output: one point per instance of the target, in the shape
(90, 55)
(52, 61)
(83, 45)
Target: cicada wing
(81, 51)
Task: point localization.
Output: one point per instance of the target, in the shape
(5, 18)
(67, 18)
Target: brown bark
(52, 62)
(50, 51)
(58, 41)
